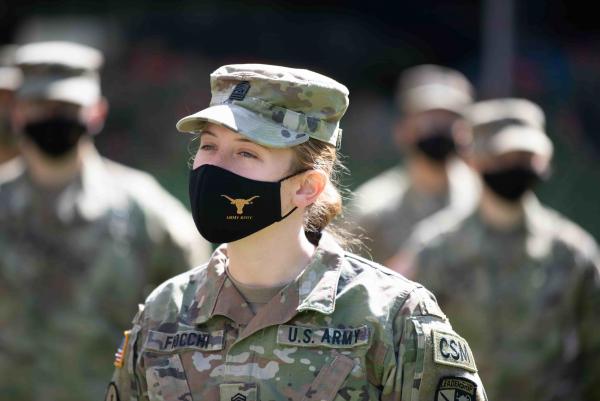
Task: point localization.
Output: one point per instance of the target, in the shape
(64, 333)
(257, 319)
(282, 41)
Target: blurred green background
(160, 54)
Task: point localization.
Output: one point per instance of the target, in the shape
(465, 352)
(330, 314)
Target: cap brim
(521, 138)
(10, 78)
(77, 90)
(253, 126)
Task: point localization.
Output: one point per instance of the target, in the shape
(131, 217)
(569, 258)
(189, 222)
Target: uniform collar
(314, 289)
(86, 198)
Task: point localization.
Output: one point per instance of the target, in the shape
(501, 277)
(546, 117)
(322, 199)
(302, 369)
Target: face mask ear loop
(285, 178)
(292, 175)
(288, 213)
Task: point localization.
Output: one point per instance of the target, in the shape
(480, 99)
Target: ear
(309, 186)
(95, 116)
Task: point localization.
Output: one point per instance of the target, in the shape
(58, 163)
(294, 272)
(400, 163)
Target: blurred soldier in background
(10, 79)
(82, 239)
(518, 280)
(431, 100)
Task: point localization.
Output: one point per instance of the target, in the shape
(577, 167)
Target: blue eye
(207, 147)
(247, 155)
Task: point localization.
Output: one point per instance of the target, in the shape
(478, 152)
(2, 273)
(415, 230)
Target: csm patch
(112, 394)
(451, 349)
(120, 354)
(455, 389)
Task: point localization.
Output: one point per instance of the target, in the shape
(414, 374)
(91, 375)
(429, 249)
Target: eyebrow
(241, 139)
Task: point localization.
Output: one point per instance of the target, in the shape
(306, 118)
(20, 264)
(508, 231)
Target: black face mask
(437, 146)
(227, 207)
(511, 183)
(55, 136)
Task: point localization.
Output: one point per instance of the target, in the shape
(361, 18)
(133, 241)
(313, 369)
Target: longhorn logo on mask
(240, 203)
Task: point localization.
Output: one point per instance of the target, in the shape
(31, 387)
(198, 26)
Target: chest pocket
(330, 379)
(166, 378)
(338, 351)
(165, 373)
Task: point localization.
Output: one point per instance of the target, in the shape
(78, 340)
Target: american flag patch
(120, 354)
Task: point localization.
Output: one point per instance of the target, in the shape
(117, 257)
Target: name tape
(189, 339)
(324, 337)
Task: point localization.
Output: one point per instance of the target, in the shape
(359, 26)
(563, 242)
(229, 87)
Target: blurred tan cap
(61, 71)
(10, 75)
(432, 87)
(508, 125)
(272, 105)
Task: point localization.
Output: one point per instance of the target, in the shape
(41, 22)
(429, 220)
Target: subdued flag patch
(455, 389)
(120, 354)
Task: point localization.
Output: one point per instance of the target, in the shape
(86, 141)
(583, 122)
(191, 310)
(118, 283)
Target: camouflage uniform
(526, 295)
(345, 329)
(527, 301)
(74, 264)
(387, 208)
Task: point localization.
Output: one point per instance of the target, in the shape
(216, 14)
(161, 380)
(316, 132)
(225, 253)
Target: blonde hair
(318, 155)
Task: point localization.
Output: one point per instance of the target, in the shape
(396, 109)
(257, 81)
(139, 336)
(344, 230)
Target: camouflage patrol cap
(61, 71)
(505, 125)
(274, 106)
(10, 75)
(433, 87)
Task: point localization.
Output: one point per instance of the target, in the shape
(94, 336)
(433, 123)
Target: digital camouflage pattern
(74, 264)
(386, 208)
(272, 105)
(527, 300)
(344, 329)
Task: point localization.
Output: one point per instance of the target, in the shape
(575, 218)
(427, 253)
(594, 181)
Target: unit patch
(455, 389)
(325, 337)
(189, 339)
(451, 349)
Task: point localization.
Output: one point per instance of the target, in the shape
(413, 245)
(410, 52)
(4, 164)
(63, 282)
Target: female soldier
(281, 312)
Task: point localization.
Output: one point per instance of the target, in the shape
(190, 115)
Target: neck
(499, 213)
(273, 256)
(55, 173)
(427, 177)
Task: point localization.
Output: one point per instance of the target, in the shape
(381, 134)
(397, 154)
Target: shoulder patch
(112, 394)
(188, 339)
(451, 349)
(120, 354)
(455, 389)
(331, 337)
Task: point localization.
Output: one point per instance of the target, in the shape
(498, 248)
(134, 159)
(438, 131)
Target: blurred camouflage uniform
(346, 329)
(527, 299)
(74, 264)
(387, 207)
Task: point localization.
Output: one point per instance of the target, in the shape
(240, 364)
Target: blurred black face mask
(227, 207)
(511, 183)
(55, 136)
(437, 146)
